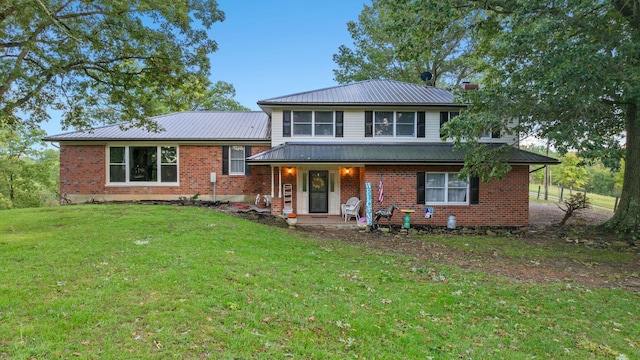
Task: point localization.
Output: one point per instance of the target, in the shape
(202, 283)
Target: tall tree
(98, 59)
(389, 42)
(24, 182)
(567, 71)
(571, 173)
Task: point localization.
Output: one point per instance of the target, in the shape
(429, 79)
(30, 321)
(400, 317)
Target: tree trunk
(626, 219)
(11, 188)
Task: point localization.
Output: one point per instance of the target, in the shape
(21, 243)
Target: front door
(318, 191)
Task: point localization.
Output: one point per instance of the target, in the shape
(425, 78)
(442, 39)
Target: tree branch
(7, 12)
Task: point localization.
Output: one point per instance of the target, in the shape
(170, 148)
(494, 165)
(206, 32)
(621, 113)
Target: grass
(602, 201)
(156, 282)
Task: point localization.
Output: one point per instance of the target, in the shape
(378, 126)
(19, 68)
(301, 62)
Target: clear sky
(272, 48)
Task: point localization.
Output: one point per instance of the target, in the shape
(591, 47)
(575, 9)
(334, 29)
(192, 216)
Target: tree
(601, 180)
(573, 204)
(28, 176)
(567, 71)
(570, 173)
(389, 44)
(102, 59)
(218, 96)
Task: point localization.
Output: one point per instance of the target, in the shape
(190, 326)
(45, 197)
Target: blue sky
(273, 48)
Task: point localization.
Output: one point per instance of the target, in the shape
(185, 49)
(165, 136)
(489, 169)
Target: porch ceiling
(390, 153)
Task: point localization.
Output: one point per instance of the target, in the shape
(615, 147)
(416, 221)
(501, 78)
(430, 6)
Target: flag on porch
(380, 191)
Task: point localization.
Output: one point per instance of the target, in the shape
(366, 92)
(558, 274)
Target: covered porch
(316, 190)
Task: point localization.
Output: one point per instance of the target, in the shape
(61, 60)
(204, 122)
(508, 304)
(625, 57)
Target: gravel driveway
(544, 214)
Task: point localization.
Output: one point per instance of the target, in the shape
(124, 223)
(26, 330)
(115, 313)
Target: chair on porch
(351, 208)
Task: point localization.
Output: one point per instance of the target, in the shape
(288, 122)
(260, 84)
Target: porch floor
(335, 221)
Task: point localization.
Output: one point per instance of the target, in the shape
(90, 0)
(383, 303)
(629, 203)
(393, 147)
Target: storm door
(318, 191)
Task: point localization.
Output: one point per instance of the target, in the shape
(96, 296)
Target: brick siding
(83, 176)
(503, 202)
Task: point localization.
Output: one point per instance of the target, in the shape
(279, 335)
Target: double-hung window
(143, 164)
(394, 123)
(446, 188)
(313, 123)
(236, 160)
(445, 117)
(310, 123)
(383, 123)
(491, 135)
(405, 123)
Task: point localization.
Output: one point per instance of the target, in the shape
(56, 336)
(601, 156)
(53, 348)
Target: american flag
(380, 191)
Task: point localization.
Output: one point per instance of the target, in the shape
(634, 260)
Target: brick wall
(503, 202)
(350, 184)
(83, 176)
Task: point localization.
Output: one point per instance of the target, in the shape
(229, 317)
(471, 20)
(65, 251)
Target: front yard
(132, 281)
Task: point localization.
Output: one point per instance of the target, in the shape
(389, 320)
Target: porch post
(279, 182)
(272, 182)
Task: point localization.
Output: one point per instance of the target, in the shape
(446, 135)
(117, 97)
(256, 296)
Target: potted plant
(292, 220)
(362, 224)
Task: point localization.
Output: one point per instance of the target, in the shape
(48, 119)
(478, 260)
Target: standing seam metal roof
(380, 92)
(383, 153)
(188, 125)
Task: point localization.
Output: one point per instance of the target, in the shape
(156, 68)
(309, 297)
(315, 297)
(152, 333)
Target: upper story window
(446, 116)
(491, 135)
(382, 124)
(394, 124)
(143, 164)
(312, 123)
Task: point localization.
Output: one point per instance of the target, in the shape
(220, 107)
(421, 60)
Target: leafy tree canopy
(570, 173)
(94, 60)
(566, 71)
(389, 42)
(28, 176)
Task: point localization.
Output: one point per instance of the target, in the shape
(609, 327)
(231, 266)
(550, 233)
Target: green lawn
(157, 282)
(602, 201)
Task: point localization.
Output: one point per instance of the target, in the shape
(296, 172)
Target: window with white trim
(143, 164)
(445, 117)
(236, 160)
(313, 123)
(491, 135)
(446, 188)
(394, 123)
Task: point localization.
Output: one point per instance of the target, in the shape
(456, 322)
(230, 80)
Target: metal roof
(187, 126)
(407, 153)
(369, 92)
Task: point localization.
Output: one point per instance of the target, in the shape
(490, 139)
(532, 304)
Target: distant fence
(571, 190)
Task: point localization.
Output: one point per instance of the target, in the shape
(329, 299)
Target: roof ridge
(339, 86)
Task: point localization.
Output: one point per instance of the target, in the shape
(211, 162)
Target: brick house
(310, 152)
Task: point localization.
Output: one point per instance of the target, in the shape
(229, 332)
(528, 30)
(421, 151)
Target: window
(383, 123)
(446, 116)
(312, 123)
(143, 164)
(117, 164)
(323, 125)
(445, 188)
(236, 160)
(169, 164)
(405, 123)
(491, 135)
(392, 124)
(302, 123)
